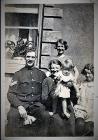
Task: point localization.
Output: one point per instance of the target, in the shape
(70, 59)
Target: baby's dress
(62, 90)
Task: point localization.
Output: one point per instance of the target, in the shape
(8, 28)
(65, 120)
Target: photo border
(95, 137)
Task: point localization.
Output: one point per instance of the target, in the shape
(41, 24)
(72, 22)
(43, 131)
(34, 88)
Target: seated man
(24, 95)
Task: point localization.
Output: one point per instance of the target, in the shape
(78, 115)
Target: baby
(65, 79)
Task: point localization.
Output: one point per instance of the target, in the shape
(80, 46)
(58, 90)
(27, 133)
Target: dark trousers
(45, 125)
(84, 128)
(61, 126)
(15, 125)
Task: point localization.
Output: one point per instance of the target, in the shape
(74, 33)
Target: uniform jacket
(26, 87)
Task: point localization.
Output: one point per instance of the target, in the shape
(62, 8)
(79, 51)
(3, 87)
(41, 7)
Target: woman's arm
(76, 73)
(45, 91)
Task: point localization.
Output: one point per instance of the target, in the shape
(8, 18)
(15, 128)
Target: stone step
(51, 36)
(53, 12)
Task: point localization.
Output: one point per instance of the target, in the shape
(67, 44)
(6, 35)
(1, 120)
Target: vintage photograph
(49, 70)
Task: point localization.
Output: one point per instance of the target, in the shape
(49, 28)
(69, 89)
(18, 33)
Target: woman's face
(55, 68)
(60, 49)
(89, 76)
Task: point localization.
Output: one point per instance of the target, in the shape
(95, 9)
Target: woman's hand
(69, 83)
(57, 76)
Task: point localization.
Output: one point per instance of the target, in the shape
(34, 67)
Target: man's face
(60, 48)
(30, 59)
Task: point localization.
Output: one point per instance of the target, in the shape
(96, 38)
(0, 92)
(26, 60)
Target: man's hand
(29, 120)
(22, 112)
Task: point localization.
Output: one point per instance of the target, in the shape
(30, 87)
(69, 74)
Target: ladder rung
(48, 42)
(45, 55)
(48, 29)
(50, 6)
(52, 17)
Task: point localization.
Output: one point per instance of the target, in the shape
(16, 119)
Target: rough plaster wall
(77, 28)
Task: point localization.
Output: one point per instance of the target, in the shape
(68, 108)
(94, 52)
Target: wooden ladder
(48, 35)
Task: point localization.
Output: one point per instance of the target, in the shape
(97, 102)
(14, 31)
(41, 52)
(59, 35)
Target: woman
(61, 126)
(61, 46)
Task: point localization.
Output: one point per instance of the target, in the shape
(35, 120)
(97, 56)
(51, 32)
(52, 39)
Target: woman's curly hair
(88, 67)
(61, 42)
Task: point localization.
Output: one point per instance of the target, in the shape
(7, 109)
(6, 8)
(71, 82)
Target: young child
(86, 100)
(64, 80)
(85, 108)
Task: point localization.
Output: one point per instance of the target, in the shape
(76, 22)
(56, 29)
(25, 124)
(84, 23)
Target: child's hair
(68, 64)
(88, 67)
(61, 42)
(54, 61)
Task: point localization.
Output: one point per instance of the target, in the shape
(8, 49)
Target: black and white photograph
(44, 45)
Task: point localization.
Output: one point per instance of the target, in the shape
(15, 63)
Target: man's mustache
(30, 61)
(60, 49)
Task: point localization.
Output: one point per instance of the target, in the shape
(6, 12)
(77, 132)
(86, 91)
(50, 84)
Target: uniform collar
(29, 68)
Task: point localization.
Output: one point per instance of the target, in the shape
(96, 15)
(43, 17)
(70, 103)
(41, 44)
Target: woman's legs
(79, 127)
(84, 128)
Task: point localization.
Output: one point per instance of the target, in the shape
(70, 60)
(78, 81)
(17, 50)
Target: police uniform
(25, 90)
